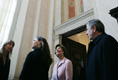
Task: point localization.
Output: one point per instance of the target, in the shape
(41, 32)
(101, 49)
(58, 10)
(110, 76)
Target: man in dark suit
(102, 56)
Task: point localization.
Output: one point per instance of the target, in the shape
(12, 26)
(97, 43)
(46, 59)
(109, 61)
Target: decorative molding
(75, 22)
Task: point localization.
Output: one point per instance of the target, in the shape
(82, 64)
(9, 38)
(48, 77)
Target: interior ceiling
(81, 34)
(80, 37)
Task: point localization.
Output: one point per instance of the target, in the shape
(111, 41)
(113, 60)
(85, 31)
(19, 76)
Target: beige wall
(43, 22)
(27, 35)
(33, 27)
(65, 9)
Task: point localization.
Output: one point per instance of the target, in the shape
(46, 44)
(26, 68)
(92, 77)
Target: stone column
(18, 35)
(57, 12)
(58, 40)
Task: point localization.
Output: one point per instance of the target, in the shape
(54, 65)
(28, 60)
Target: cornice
(75, 22)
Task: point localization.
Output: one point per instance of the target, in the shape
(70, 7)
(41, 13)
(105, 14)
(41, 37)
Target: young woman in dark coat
(4, 59)
(38, 61)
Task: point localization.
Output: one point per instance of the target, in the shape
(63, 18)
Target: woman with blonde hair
(5, 60)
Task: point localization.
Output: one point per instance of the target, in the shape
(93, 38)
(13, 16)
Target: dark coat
(35, 67)
(4, 69)
(102, 59)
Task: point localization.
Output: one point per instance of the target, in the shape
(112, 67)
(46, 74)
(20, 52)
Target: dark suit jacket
(35, 67)
(102, 59)
(4, 69)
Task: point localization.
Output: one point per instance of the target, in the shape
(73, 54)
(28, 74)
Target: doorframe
(74, 31)
(75, 24)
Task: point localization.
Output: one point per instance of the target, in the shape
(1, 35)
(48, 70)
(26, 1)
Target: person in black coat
(5, 61)
(102, 56)
(38, 61)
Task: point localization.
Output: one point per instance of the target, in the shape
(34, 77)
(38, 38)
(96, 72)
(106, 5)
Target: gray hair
(98, 24)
